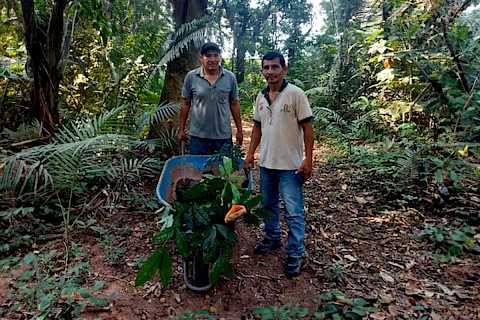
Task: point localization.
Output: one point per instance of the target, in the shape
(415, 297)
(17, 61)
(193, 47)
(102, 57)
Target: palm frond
(330, 115)
(167, 141)
(132, 169)
(159, 114)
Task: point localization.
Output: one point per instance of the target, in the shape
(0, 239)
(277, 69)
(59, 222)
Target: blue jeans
(207, 146)
(290, 185)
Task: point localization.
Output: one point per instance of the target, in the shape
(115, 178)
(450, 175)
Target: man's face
(273, 71)
(211, 60)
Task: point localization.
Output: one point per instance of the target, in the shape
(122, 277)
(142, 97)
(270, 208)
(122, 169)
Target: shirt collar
(201, 74)
(267, 89)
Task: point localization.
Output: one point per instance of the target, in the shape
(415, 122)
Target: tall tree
(184, 11)
(48, 46)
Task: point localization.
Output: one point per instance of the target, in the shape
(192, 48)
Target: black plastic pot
(195, 274)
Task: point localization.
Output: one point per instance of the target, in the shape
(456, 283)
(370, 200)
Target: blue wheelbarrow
(181, 171)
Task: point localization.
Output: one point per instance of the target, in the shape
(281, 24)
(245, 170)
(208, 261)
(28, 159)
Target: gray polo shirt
(210, 104)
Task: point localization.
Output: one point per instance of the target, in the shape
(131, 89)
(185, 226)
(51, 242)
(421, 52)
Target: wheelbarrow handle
(249, 175)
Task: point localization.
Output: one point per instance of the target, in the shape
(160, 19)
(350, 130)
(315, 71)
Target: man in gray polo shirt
(211, 94)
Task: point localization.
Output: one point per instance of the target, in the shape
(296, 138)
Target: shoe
(266, 245)
(292, 267)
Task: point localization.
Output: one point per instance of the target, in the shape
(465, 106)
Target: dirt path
(350, 247)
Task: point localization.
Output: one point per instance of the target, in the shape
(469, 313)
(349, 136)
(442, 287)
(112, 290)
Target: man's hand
(239, 137)
(249, 162)
(306, 167)
(181, 136)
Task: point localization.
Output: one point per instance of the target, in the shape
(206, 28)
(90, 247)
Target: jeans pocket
(300, 177)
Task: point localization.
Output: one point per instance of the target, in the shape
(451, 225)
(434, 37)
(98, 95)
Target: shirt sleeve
(234, 91)
(304, 112)
(187, 87)
(256, 113)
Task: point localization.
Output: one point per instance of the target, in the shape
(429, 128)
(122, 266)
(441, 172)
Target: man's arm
(237, 117)
(184, 109)
(306, 165)
(254, 142)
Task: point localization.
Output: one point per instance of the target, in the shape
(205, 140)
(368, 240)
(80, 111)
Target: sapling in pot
(196, 223)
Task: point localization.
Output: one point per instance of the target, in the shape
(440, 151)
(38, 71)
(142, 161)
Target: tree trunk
(45, 54)
(184, 11)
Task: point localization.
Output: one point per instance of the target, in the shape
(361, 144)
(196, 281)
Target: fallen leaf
(386, 298)
(177, 297)
(349, 257)
(410, 264)
(411, 290)
(344, 187)
(386, 277)
(392, 310)
(361, 200)
(445, 289)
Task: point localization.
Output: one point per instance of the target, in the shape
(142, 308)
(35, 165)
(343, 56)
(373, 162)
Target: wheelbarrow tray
(179, 171)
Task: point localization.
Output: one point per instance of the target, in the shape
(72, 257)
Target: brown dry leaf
(361, 200)
(445, 289)
(386, 277)
(411, 290)
(212, 309)
(392, 310)
(177, 297)
(386, 298)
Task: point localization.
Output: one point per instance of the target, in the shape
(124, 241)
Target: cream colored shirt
(281, 145)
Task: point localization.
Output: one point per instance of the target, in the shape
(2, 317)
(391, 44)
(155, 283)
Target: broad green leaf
(438, 176)
(253, 202)
(263, 213)
(196, 192)
(227, 163)
(222, 171)
(98, 285)
(222, 265)
(183, 244)
(167, 218)
(210, 240)
(235, 192)
(201, 216)
(164, 235)
(29, 258)
(439, 237)
(454, 176)
(227, 233)
(359, 312)
(359, 302)
(45, 302)
(149, 268)
(245, 196)
(165, 268)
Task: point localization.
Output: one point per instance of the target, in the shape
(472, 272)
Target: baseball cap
(209, 46)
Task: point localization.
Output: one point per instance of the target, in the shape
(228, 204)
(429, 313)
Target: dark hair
(272, 55)
(210, 46)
